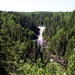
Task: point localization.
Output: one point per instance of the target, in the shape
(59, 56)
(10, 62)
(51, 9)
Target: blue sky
(37, 5)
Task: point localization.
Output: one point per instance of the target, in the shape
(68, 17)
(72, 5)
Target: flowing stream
(40, 36)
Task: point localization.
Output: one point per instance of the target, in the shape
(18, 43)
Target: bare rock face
(58, 59)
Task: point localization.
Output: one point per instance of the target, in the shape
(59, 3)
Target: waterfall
(40, 36)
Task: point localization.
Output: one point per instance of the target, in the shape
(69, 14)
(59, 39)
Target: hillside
(20, 55)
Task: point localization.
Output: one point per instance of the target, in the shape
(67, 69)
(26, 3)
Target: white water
(40, 36)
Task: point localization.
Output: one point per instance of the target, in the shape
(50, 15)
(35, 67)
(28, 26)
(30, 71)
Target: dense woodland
(20, 55)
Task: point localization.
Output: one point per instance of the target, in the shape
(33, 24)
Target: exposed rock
(58, 59)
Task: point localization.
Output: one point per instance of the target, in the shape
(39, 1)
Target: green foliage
(71, 65)
(70, 47)
(20, 55)
(54, 69)
(50, 69)
(15, 40)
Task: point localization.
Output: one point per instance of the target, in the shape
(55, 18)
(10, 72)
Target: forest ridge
(20, 55)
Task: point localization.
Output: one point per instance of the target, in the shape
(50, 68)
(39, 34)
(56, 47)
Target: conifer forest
(20, 54)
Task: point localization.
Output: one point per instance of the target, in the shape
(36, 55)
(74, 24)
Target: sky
(37, 5)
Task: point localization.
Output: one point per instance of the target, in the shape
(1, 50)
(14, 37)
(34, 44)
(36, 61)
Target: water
(40, 36)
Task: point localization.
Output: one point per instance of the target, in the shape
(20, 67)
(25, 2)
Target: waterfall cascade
(40, 36)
